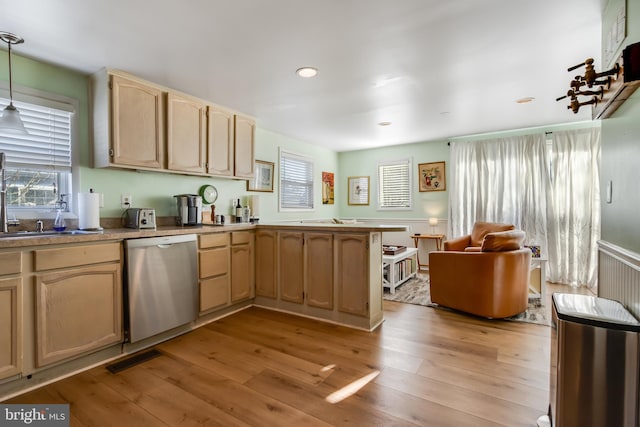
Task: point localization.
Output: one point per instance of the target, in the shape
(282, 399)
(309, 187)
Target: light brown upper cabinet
(230, 139)
(142, 125)
(128, 123)
(245, 129)
(220, 141)
(186, 137)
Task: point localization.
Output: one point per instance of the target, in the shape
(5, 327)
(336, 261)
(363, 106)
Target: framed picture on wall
(358, 190)
(262, 177)
(431, 176)
(327, 188)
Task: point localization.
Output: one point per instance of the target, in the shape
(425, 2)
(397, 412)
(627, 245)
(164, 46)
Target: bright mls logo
(35, 415)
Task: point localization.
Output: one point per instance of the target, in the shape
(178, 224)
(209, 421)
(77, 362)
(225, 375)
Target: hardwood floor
(422, 367)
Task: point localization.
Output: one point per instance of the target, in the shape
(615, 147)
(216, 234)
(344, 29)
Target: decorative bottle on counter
(238, 211)
(59, 223)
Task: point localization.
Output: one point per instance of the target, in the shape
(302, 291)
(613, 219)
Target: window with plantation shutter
(394, 185)
(38, 164)
(296, 181)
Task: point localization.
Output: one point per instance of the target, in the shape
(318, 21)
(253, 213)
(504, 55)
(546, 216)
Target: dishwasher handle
(165, 245)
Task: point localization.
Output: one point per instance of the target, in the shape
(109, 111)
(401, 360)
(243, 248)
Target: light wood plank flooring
(422, 367)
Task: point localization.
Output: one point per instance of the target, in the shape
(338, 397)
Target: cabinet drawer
(214, 292)
(213, 262)
(10, 263)
(241, 237)
(73, 256)
(214, 240)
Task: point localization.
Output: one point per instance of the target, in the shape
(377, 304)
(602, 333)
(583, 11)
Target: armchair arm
(457, 244)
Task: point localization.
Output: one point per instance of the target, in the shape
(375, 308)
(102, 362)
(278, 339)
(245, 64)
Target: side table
(537, 279)
(417, 238)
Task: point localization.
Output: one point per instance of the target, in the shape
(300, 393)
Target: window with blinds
(296, 181)
(38, 164)
(394, 185)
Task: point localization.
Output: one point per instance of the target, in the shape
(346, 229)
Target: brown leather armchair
(492, 282)
(474, 240)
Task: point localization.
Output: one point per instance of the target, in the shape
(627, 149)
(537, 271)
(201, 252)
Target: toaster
(140, 218)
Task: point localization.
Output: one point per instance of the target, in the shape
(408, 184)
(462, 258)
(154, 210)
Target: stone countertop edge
(131, 233)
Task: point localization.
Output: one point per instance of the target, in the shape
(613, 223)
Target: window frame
(409, 163)
(281, 188)
(70, 178)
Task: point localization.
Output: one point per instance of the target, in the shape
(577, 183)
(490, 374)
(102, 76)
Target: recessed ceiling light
(307, 72)
(525, 100)
(384, 123)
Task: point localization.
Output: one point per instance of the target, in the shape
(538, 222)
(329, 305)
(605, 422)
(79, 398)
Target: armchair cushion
(503, 241)
(481, 229)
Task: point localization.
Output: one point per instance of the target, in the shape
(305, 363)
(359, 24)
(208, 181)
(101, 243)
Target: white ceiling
(434, 68)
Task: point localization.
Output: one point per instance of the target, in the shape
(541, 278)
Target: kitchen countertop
(130, 233)
(329, 226)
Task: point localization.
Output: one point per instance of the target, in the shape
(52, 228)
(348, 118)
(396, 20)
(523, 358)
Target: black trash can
(594, 363)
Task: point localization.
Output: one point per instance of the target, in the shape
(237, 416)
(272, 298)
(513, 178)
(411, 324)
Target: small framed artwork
(358, 190)
(262, 177)
(431, 176)
(327, 188)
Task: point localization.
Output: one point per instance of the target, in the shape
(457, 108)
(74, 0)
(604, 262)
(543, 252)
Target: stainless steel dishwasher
(162, 284)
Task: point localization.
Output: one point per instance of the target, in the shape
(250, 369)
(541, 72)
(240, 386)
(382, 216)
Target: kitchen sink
(49, 233)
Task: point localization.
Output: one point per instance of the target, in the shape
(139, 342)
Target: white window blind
(296, 181)
(394, 185)
(47, 146)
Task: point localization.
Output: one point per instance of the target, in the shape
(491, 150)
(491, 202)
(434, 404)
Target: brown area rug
(416, 291)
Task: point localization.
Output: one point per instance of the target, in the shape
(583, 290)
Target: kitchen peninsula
(322, 270)
(330, 272)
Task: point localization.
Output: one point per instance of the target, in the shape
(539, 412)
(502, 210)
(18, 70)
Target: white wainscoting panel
(619, 276)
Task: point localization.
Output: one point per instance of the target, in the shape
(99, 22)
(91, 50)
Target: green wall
(365, 163)
(155, 190)
(620, 154)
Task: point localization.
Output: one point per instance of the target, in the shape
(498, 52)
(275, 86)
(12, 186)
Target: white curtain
(500, 180)
(552, 194)
(574, 209)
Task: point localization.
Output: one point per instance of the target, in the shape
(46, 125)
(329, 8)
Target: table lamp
(433, 222)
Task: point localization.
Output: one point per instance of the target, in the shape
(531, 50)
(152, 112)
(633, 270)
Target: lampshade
(10, 122)
(433, 222)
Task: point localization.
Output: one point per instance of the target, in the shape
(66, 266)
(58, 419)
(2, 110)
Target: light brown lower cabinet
(77, 310)
(291, 266)
(295, 267)
(352, 268)
(266, 279)
(325, 274)
(78, 300)
(242, 265)
(10, 327)
(213, 263)
(319, 269)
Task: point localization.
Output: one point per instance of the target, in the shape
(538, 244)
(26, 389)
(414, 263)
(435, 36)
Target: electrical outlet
(126, 201)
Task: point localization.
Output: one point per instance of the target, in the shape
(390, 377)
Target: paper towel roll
(254, 205)
(89, 211)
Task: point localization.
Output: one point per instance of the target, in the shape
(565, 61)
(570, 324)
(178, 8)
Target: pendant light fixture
(10, 121)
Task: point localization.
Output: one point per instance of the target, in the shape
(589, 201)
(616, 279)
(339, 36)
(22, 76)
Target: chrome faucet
(3, 196)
